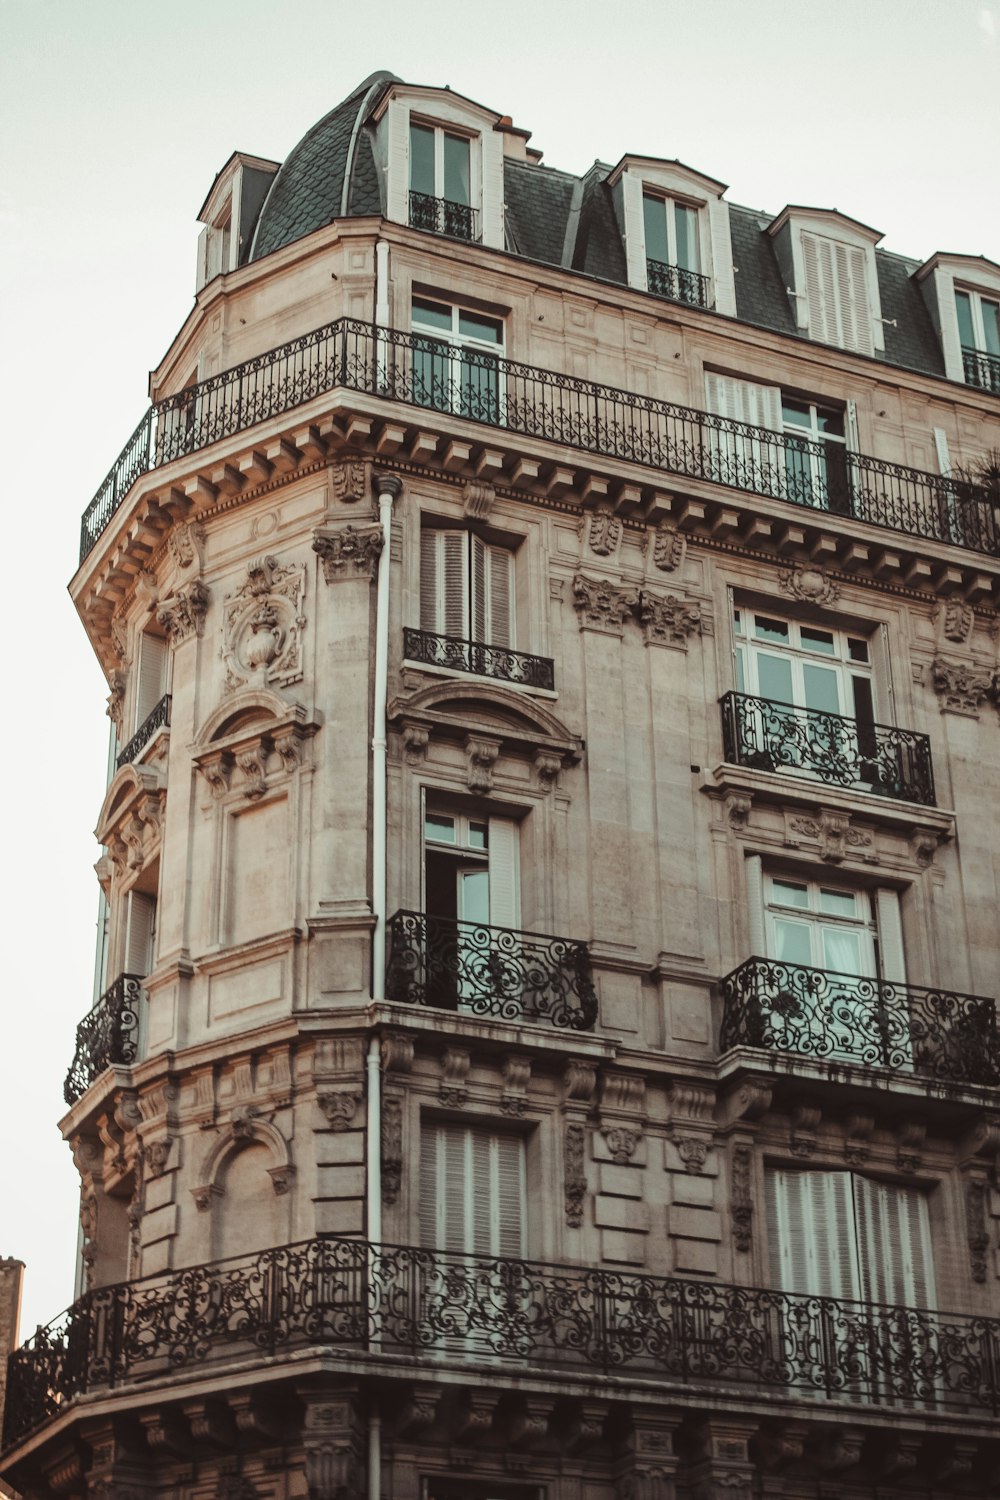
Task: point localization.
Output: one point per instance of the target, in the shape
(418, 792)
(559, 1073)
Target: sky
(115, 116)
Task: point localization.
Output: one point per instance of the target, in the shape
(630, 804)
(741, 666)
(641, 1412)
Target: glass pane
(838, 903)
(737, 622)
(654, 214)
(432, 374)
(963, 306)
(474, 895)
(486, 330)
(440, 828)
(830, 423)
(432, 314)
(791, 941)
(457, 183)
(842, 950)
(796, 413)
(822, 688)
(991, 327)
(741, 685)
(774, 678)
(478, 835)
(818, 640)
(479, 387)
(686, 226)
(857, 649)
(769, 630)
(422, 159)
(790, 893)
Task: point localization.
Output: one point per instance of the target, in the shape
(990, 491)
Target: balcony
(158, 719)
(107, 1034)
(442, 216)
(677, 284)
(537, 403)
(872, 1023)
(877, 758)
(482, 661)
(345, 1294)
(490, 971)
(982, 370)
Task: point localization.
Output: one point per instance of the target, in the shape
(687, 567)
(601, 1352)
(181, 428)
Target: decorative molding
(669, 547)
(805, 1122)
(349, 551)
(857, 1138)
(910, 1139)
(692, 1150)
(416, 737)
(574, 1176)
(833, 832)
(262, 626)
(809, 582)
(975, 1225)
(957, 620)
(281, 1177)
(396, 1052)
(119, 640)
(516, 1077)
(621, 1142)
(147, 590)
(116, 700)
(348, 480)
(392, 1146)
(667, 620)
(453, 1088)
(547, 766)
(601, 605)
(741, 1197)
(185, 543)
(183, 614)
(580, 1081)
(604, 530)
(339, 1106)
(271, 747)
(482, 754)
(962, 687)
(478, 497)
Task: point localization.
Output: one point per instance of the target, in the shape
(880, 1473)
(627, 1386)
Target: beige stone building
(545, 1047)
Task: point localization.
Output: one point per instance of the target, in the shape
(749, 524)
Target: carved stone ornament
(392, 1146)
(185, 540)
(348, 551)
(157, 1154)
(809, 582)
(281, 1178)
(182, 615)
(347, 480)
(910, 1139)
(580, 1081)
(255, 753)
(416, 737)
(452, 1090)
(604, 531)
(741, 1198)
(602, 605)
(575, 1181)
(857, 1138)
(340, 1106)
(669, 547)
(516, 1077)
(693, 1152)
(668, 621)
(481, 756)
(119, 640)
(975, 1223)
(621, 1142)
(957, 620)
(262, 626)
(962, 687)
(478, 498)
(837, 839)
(116, 700)
(805, 1122)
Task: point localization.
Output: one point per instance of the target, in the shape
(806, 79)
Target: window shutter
(852, 297)
(851, 427)
(499, 596)
(139, 934)
(893, 1244)
(510, 1190)
(493, 189)
(723, 278)
(480, 595)
(444, 583)
(890, 936)
(810, 1220)
(483, 1197)
(398, 161)
(755, 905)
(471, 1191)
(941, 449)
(429, 586)
(815, 289)
(504, 894)
(149, 687)
(635, 234)
(431, 1196)
(743, 400)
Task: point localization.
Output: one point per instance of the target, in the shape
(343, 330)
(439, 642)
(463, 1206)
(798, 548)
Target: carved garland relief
(262, 626)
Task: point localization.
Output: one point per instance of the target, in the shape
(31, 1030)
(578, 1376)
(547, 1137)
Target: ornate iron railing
(879, 758)
(490, 971)
(343, 1293)
(107, 1034)
(935, 1033)
(443, 216)
(472, 656)
(539, 403)
(159, 718)
(677, 284)
(982, 370)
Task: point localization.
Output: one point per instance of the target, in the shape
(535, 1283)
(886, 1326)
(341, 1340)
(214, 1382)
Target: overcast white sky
(116, 114)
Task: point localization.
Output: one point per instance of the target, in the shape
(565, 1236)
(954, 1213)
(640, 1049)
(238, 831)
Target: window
(820, 926)
(815, 455)
(456, 360)
(979, 332)
(673, 262)
(441, 182)
(472, 1191)
(466, 588)
(471, 869)
(836, 293)
(151, 676)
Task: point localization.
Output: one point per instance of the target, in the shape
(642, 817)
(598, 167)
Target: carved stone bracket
(186, 543)
(396, 1051)
(910, 1136)
(669, 547)
(622, 1113)
(602, 605)
(805, 1123)
(264, 750)
(667, 620)
(580, 1082)
(332, 1440)
(116, 700)
(857, 1138)
(478, 497)
(182, 615)
(348, 551)
(516, 1077)
(482, 754)
(348, 480)
(416, 735)
(453, 1087)
(130, 822)
(962, 686)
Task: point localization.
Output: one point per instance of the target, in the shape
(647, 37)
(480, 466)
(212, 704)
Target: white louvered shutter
(492, 594)
(753, 866)
(505, 906)
(852, 298)
(890, 936)
(152, 669)
(723, 278)
(635, 231)
(893, 1244)
(444, 583)
(510, 1195)
(810, 1219)
(819, 287)
(492, 227)
(472, 1191)
(744, 400)
(941, 449)
(398, 161)
(138, 953)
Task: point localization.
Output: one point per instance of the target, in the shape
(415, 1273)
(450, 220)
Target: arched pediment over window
(257, 707)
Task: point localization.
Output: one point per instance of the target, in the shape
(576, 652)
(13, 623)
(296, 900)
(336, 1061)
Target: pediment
(476, 707)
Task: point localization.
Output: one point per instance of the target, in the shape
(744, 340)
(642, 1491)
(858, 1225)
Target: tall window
(809, 666)
(798, 450)
(441, 181)
(979, 332)
(821, 926)
(151, 677)
(466, 588)
(472, 1191)
(456, 360)
(471, 868)
(815, 454)
(673, 259)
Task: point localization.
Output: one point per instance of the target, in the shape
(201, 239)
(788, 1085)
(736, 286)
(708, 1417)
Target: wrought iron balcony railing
(346, 1294)
(982, 370)
(541, 403)
(677, 284)
(107, 1034)
(933, 1033)
(490, 971)
(472, 656)
(159, 718)
(769, 736)
(443, 216)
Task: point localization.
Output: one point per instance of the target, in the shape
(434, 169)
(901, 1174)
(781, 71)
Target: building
(546, 1045)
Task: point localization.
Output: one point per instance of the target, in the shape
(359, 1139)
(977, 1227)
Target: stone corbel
(116, 700)
(602, 605)
(348, 551)
(805, 1123)
(482, 754)
(281, 1177)
(452, 1089)
(332, 1442)
(547, 767)
(185, 543)
(857, 1138)
(668, 621)
(478, 497)
(205, 1195)
(910, 1137)
(348, 481)
(216, 766)
(396, 1051)
(252, 762)
(962, 686)
(580, 1082)
(748, 1103)
(516, 1077)
(982, 1143)
(416, 737)
(182, 615)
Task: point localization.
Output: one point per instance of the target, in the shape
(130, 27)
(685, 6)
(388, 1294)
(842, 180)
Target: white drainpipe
(388, 486)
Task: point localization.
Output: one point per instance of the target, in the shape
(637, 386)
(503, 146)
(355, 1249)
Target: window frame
(452, 344)
(440, 131)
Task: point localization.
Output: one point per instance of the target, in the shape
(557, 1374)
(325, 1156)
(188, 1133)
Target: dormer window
(673, 264)
(979, 332)
(828, 262)
(441, 182)
(229, 214)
